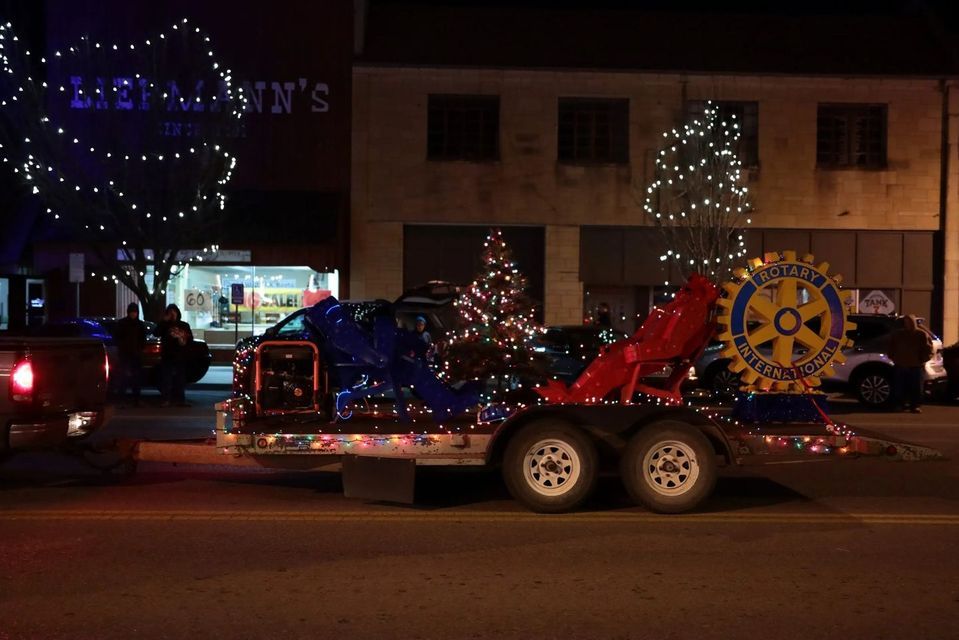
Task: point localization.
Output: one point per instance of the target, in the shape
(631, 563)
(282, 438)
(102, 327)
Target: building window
(747, 115)
(851, 135)
(593, 131)
(463, 128)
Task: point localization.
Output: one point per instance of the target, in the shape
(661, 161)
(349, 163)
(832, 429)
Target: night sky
(944, 11)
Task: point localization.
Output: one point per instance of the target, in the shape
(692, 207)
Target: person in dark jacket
(130, 338)
(950, 360)
(429, 352)
(175, 339)
(603, 316)
(909, 349)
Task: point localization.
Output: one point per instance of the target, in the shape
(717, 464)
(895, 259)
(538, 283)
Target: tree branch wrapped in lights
(698, 199)
(132, 165)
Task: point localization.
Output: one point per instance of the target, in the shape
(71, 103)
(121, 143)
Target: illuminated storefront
(288, 200)
(270, 293)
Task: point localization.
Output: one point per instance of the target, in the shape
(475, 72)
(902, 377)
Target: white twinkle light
(32, 171)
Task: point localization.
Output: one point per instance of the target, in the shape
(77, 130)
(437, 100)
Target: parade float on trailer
(306, 404)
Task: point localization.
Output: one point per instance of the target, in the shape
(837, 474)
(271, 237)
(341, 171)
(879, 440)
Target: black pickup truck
(52, 391)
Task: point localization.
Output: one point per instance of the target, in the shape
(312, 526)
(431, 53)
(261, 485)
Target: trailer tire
(669, 467)
(550, 467)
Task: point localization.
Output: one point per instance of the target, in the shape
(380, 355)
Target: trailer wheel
(550, 467)
(669, 467)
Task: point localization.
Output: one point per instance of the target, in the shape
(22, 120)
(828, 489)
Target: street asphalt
(853, 549)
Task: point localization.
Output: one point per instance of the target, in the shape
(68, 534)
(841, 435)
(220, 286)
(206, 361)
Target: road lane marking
(478, 516)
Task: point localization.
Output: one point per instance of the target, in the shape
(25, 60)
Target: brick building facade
(854, 168)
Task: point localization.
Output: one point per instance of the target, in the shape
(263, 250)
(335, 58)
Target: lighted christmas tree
(698, 198)
(496, 323)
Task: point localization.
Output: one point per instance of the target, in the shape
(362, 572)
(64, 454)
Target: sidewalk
(217, 377)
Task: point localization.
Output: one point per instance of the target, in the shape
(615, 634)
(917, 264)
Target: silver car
(867, 371)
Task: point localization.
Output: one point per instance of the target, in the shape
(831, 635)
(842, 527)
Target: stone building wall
(394, 183)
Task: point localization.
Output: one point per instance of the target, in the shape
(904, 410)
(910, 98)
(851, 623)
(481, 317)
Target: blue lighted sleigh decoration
(385, 360)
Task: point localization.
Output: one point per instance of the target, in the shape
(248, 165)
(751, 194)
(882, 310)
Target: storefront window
(269, 295)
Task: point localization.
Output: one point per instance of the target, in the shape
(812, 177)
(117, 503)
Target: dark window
(462, 128)
(556, 340)
(868, 330)
(593, 131)
(294, 324)
(746, 114)
(851, 135)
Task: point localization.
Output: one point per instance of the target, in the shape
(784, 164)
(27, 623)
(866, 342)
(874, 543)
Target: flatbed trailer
(286, 414)
(667, 455)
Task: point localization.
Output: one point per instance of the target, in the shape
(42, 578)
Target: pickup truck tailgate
(69, 374)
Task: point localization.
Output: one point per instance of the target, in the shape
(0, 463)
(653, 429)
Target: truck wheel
(669, 467)
(874, 388)
(550, 467)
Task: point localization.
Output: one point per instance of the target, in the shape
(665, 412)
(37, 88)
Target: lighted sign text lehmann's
(136, 94)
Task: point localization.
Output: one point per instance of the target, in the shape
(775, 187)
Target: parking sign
(236, 293)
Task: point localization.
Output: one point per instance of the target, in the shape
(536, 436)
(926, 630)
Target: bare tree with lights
(496, 323)
(698, 199)
(123, 142)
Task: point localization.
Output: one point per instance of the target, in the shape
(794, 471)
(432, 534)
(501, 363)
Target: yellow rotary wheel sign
(784, 322)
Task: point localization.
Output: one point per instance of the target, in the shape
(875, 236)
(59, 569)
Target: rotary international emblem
(784, 321)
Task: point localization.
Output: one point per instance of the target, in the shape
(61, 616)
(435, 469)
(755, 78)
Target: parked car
(293, 326)
(433, 301)
(55, 391)
(866, 373)
(570, 348)
(102, 329)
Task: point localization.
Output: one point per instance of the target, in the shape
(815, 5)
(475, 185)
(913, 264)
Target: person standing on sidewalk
(950, 360)
(604, 317)
(131, 337)
(175, 339)
(909, 348)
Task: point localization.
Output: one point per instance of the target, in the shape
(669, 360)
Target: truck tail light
(21, 381)
(106, 367)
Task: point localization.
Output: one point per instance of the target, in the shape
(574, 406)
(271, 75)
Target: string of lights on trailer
(31, 166)
(346, 439)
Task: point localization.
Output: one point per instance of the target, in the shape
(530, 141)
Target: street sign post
(236, 297)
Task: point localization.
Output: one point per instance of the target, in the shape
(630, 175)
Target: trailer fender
(509, 428)
(611, 427)
(714, 432)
